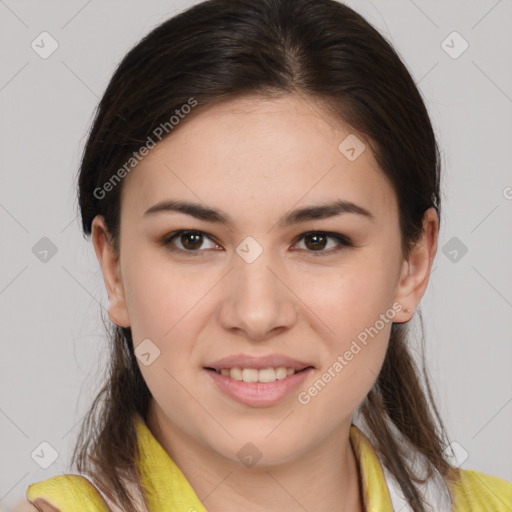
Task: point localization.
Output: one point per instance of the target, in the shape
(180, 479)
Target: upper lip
(259, 363)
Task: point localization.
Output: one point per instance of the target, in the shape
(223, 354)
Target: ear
(415, 272)
(109, 262)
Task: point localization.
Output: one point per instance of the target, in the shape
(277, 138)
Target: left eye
(191, 241)
(318, 241)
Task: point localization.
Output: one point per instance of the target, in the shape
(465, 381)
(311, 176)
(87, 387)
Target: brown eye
(191, 241)
(316, 241)
(321, 242)
(188, 241)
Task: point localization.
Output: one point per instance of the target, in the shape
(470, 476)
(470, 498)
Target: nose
(257, 301)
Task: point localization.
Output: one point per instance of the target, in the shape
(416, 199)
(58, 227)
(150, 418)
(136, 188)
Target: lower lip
(259, 394)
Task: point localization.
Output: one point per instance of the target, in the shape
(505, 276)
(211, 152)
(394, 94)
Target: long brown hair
(219, 49)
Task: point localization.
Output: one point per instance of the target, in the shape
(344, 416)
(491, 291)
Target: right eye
(190, 241)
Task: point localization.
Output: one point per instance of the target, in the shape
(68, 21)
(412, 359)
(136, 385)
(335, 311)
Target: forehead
(261, 152)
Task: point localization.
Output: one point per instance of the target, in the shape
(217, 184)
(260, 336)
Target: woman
(261, 184)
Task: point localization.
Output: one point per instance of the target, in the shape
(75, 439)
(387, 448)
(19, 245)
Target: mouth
(262, 375)
(258, 387)
(258, 381)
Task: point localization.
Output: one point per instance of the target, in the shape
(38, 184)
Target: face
(287, 269)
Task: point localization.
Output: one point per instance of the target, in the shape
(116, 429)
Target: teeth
(282, 372)
(235, 373)
(255, 375)
(250, 375)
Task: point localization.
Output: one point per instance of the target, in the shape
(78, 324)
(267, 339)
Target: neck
(325, 478)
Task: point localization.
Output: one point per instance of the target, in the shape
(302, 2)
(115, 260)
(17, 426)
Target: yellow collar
(168, 489)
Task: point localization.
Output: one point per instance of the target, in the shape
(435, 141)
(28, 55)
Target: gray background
(53, 344)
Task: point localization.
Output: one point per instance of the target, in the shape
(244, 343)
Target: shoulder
(39, 505)
(65, 492)
(479, 491)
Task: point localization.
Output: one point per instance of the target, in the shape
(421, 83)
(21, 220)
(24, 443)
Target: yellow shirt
(169, 491)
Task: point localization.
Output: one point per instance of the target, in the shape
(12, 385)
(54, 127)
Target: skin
(256, 159)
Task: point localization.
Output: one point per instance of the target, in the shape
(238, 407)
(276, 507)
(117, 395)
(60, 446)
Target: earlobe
(110, 267)
(415, 271)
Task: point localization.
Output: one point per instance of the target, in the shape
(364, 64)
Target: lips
(258, 393)
(258, 381)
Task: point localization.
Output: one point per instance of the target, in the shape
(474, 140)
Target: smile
(263, 387)
(254, 375)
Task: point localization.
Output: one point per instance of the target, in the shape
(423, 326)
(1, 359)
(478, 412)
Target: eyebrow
(208, 214)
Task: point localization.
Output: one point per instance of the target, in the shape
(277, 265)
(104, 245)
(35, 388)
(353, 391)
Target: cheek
(160, 296)
(165, 306)
(350, 298)
(352, 360)
(354, 307)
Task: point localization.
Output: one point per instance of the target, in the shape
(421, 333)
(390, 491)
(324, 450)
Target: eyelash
(343, 241)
